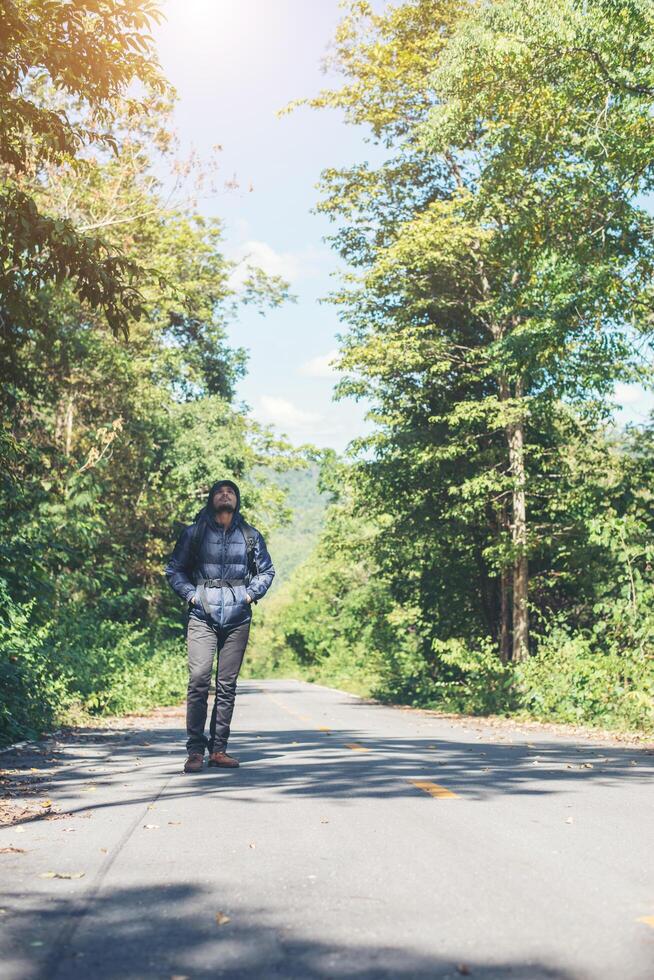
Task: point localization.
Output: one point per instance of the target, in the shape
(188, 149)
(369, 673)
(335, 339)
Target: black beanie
(224, 483)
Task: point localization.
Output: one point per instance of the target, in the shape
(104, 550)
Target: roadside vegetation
(117, 384)
(488, 548)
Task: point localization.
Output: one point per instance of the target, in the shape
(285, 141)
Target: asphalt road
(355, 841)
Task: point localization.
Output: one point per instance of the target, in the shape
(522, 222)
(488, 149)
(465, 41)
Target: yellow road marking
(647, 919)
(289, 710)
(434, 789)
(356, 747)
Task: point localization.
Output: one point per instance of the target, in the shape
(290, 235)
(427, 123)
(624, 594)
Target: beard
(225, 509)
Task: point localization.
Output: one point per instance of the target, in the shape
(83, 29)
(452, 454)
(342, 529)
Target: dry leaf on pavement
(62, 874)
(222, 919)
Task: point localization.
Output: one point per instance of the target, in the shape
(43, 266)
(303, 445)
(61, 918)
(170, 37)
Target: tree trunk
(68, 426)
(515, 439)
(505, 614)
(505, 593)
(515, 436)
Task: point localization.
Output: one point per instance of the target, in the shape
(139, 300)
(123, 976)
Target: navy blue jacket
(221, 554)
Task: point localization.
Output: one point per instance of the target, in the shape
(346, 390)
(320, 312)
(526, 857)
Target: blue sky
(235, 64)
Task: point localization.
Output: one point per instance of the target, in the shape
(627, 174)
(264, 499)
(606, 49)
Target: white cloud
(282, 412)
(334, 427)
(321, 366)
(627, 394)
(263, 256)
(634, 402)
(291, 266)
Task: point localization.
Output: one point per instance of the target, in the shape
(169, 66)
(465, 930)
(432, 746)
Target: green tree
(92, 52)
(501, 261)
(108, 441)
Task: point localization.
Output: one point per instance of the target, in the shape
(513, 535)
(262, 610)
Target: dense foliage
(108, 441)
(488, 547)
(93, 52)
(500, 276)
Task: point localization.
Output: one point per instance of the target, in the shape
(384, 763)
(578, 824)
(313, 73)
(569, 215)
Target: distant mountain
(292, 544)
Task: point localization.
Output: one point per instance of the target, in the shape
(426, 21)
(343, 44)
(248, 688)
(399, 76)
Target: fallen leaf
(587, 765)
(174, 823)
(68, 830)
(12, 850)
(19, 830)
(103, 850)
(463, 969)
(62, 874)
(324, 820)
(252, 845)
(151, 826)
(632, 763)
(222, 919)
(46, 803)
(569, 819)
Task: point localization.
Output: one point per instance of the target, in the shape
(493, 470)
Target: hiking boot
(194, 762)
(223, 760)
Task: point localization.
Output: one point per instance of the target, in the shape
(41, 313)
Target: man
(220, 566)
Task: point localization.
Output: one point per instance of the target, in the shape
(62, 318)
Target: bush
(77, 663)
(571, 679)
(32, 691)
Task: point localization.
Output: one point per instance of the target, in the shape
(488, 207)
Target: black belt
(216, 583)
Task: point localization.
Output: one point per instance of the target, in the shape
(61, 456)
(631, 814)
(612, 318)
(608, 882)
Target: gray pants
(203, 644)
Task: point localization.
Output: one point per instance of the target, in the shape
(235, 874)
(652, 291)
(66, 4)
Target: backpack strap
(196, 537)
(250, 536)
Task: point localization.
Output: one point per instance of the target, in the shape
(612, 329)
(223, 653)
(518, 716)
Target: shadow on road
(304, 762)
(171, 932)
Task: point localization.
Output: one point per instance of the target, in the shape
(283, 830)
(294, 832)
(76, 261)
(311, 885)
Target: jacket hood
(208, 512)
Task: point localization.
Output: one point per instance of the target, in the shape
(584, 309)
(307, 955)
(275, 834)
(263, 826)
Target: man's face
(224, 500)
